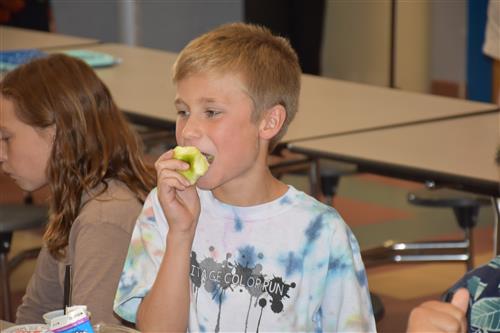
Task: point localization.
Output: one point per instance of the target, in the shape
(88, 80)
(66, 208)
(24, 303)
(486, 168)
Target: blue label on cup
(80, 327)
(73, 322)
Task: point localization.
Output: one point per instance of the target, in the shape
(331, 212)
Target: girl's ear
(272, 121)
(50, 133)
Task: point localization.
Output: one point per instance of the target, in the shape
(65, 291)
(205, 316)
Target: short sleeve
(144, 256)
(346, 305)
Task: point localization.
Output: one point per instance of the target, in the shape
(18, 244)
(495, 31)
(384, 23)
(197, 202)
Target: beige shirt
(98, 243)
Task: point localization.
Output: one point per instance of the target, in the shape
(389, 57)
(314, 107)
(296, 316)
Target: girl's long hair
(93, 142)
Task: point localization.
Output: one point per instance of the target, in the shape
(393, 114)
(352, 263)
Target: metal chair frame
(13, 218)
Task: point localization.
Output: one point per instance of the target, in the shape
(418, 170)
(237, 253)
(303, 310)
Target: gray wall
(449, 40)
(162, 24)
(93, 19)
(170, 24)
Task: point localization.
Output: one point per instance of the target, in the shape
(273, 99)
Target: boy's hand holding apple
(177, 172)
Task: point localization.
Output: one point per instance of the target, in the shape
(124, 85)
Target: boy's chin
(203, 184)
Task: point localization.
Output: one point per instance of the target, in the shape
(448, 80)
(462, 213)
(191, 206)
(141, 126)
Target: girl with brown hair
(60, 127)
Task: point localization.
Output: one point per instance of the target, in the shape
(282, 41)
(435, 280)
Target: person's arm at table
(43, 293)
(436, 316)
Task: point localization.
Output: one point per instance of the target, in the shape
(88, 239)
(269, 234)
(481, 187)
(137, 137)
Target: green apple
(198, 164)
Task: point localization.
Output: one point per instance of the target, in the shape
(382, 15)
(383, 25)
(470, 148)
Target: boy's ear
(272, 121)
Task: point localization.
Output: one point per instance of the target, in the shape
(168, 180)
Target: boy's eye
(211, 113)
(182, 113)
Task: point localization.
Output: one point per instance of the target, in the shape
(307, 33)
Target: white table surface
(5, 324)
(141, 83)
(461, 151)
(329, 106)
(142, 87)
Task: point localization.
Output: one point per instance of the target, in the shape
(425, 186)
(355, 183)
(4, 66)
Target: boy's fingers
(171, 164)
(173, 179)
(167, 169)
(461, 299)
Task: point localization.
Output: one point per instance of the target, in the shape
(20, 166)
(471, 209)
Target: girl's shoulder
(117, 204)
(115, 193)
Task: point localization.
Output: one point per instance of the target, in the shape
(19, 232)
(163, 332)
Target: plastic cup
(47, 317)
(75, 320)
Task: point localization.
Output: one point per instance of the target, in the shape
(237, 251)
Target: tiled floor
(376, 210)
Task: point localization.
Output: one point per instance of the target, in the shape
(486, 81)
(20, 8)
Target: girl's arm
(98, 244)
(43, 293)
(99, 252)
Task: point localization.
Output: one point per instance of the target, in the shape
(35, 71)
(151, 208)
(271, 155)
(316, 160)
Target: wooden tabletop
(460, 152)
(16, 38)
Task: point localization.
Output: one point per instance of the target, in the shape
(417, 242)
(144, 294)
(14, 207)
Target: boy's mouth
(210, 158)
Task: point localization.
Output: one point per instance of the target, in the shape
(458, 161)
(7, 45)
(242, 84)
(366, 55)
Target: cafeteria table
(12, 38)
(141, 84)
(458, 153)
(330, 106)
(5, 324)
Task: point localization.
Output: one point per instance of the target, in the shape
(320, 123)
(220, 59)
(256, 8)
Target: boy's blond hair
(268, 64)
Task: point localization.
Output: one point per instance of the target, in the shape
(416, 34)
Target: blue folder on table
(11, 59)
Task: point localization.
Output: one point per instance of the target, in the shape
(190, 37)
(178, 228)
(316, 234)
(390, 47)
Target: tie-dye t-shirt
(483, 283)
(287, 265)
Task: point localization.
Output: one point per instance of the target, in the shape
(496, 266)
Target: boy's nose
(3, 153)
(191, 129)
